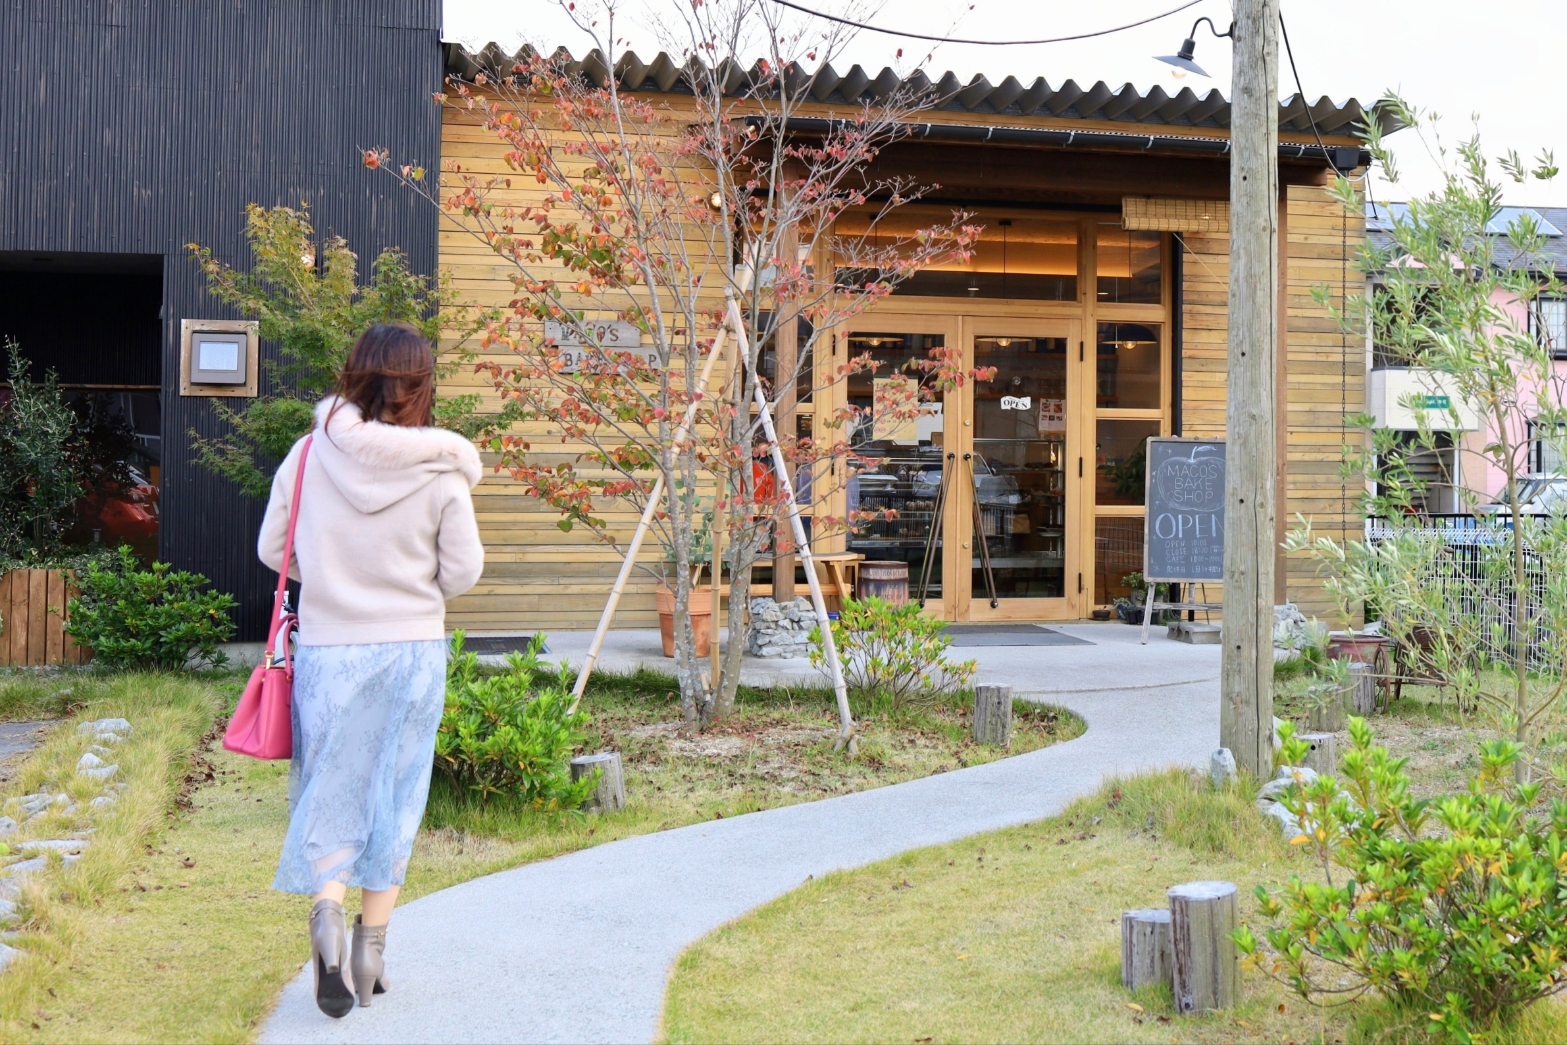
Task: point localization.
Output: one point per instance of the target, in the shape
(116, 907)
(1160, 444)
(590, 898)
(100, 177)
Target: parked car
(1545, 495)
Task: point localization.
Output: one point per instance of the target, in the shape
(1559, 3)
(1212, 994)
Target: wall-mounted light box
(218, 357)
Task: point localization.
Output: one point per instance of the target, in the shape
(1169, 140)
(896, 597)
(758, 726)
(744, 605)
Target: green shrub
(148, 618)
(890, 655)
(1462, 920)
(499, 738)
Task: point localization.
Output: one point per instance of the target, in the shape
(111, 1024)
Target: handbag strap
(288, 552)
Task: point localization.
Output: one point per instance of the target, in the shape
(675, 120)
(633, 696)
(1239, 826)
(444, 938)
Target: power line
(983, 43)
(1302, 91)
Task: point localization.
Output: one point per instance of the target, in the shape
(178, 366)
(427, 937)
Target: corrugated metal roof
(1125, 104)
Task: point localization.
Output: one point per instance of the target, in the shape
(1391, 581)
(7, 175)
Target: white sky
(1498, 60)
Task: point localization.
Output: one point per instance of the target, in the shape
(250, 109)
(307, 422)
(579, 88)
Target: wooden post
(1202, 917)
(610, 794)
(1146, 955)
(1246, 686)
(1323, 756)
(786, 358)
(993, 715)
(1360, 696)
(1328, 715)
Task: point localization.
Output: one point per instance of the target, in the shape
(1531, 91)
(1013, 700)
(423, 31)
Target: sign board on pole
(1183, 538)
(607, 336)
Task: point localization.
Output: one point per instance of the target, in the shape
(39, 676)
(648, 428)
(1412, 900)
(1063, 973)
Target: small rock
(1221, 767)
(7, 910)
(1284, 818)
(68, 810)
(101, 773)
(64, 845)
(62, 799)
(99, 749)
(7, 826)
(1286, 779)
(106, 725)
(32, 803)
(23, 868)
(88, 761)
(101, 801)
(108, 738)
(7, 956)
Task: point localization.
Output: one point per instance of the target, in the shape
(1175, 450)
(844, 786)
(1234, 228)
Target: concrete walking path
(578, 948)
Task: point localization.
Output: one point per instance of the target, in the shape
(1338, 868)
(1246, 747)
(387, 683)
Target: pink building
(1459, 462)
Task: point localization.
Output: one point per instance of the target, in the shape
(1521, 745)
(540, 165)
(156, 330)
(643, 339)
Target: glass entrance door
(893, 491)
(1023, 492)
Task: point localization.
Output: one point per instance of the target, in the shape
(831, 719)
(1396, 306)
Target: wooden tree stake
(993, 715)
(610, 794)
(1146, 955)
(1202, 917)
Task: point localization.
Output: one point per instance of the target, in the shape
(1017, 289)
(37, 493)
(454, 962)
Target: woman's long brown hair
(390, 376)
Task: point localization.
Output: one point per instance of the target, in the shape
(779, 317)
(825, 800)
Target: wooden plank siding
(535, 575)
(1325, 369)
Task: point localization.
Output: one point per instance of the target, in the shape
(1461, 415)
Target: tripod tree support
(681, 435)
(802, 543)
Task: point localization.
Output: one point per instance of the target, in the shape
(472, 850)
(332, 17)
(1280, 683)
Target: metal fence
(1477, 587)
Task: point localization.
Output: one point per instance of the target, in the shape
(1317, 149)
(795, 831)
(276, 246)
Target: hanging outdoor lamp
(1182, 59)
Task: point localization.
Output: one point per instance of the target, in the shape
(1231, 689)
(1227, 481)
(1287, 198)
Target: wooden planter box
(32, 629)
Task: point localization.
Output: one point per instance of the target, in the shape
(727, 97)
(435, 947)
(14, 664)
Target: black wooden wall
(138, 126)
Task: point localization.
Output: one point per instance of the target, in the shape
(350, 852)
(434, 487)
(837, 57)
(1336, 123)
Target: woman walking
(385, 535)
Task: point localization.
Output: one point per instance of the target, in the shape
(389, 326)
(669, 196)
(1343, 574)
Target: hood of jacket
(374, 465)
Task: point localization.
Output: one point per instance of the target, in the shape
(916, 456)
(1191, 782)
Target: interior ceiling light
(1182, 59)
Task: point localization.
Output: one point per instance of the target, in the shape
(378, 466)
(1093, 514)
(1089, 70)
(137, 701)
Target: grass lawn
(1013, 936)
(174, 933)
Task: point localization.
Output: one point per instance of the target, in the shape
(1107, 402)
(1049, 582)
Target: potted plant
(699, 601)
(1130, 607)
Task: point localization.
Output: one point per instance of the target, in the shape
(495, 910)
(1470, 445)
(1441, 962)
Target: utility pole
(1246, 675)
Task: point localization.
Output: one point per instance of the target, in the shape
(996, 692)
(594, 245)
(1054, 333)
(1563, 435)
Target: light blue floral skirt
(365, 719)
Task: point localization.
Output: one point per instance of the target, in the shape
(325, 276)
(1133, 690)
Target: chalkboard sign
(1184, 534)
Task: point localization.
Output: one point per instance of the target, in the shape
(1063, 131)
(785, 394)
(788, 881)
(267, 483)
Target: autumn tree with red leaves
(621, 207)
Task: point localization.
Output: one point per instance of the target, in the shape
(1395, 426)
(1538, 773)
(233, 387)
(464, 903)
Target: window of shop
(1027, 258)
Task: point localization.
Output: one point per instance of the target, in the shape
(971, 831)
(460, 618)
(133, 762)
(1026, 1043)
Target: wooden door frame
(960, 519)
(884, 321)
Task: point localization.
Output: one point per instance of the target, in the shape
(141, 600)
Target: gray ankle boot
(369, 968)
(329, 958)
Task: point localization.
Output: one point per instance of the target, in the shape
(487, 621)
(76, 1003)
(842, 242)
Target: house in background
(1458, 463)
(129, 130)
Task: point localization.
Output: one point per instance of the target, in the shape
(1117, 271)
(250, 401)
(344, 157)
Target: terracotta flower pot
(700, 605)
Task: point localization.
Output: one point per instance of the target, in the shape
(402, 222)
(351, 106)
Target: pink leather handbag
(262, 726)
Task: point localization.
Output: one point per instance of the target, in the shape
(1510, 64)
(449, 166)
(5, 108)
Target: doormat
(1010, 635)
(498, 645)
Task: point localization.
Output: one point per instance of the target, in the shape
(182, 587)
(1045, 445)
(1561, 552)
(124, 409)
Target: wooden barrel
(885, 580)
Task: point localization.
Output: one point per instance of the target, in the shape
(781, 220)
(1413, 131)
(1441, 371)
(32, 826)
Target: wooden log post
(610, 794)
(1202, 917)
(993, 715)
(1146, 955)
(1323, 755)
(1360, 696)
(1327, 712)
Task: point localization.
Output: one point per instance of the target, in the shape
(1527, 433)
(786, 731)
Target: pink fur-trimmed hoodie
(386, 530)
